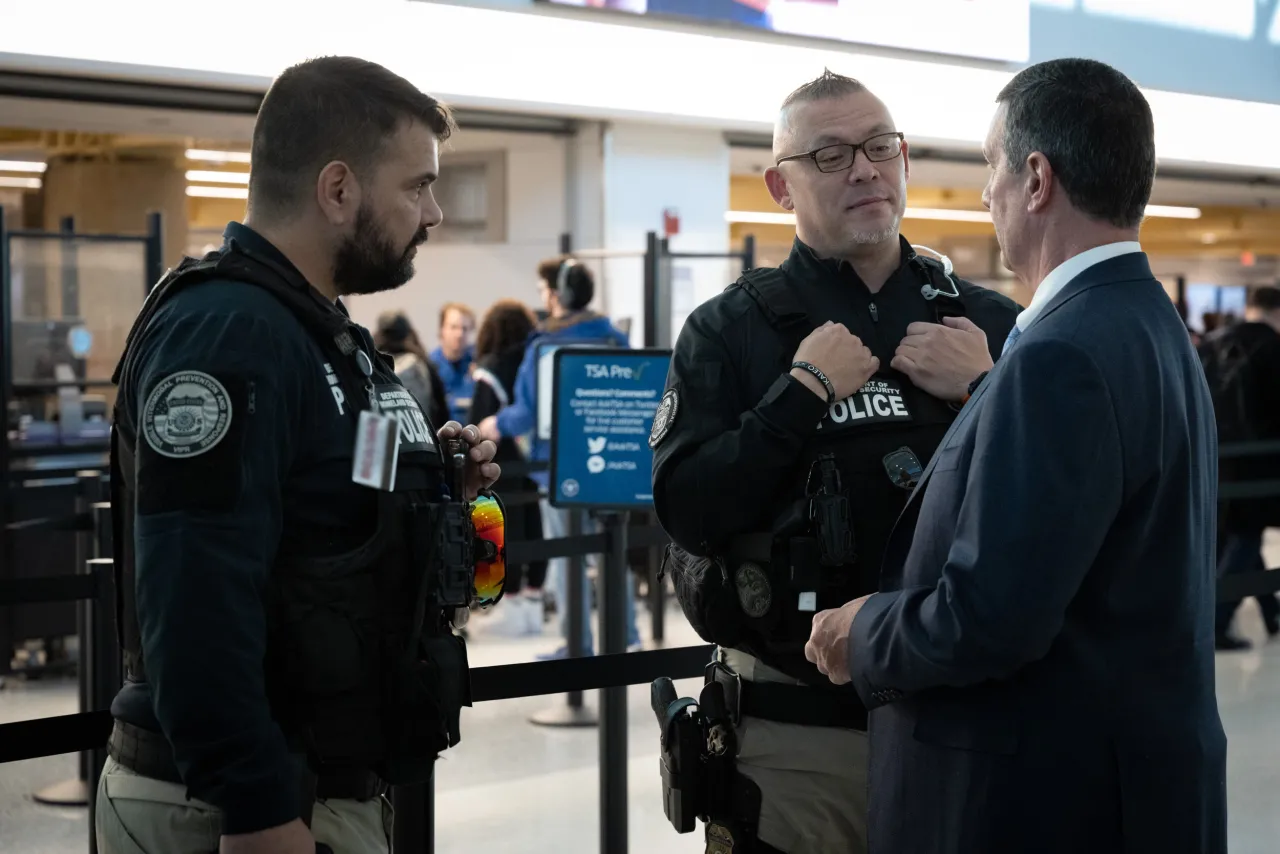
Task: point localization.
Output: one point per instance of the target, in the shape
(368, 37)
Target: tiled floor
(515, 788)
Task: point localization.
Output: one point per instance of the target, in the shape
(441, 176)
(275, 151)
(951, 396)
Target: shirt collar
(259, 245)
(804, 257)
(1060, 276)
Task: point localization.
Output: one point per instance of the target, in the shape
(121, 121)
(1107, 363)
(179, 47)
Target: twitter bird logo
(596, 446)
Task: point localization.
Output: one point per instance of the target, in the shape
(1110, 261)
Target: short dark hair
(579, 281)
(821, 88)
(1265, 298)
(392, 333)
(1095, 128)
(506, 324)
(326, 109)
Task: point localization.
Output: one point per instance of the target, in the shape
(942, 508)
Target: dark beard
(367, 263)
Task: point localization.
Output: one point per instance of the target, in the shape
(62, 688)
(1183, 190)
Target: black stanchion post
(104, 670)
(6, 380)
(414, 830)
(76, 792)
(749, 252)
(613, 701)
(651, 265)
(657, 591)
(154, 260)
(566, 243)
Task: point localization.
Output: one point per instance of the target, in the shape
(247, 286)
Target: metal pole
(657, 591)
(650, 288)
(154, 259)
(6, 384)
(566, 243)
(70, 268)
(414, 829)
(749, 252)
(104, 684)
(613, 701)
(76, 792)
(663, 284)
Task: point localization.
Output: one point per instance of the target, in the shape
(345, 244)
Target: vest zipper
(253, 397)
(875, 314)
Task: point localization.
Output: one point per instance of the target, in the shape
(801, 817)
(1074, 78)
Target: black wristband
(822, 378)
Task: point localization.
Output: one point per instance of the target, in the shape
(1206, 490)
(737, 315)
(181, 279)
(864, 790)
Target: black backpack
(1228, 359)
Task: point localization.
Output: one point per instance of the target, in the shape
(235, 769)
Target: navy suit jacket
(1040, 667)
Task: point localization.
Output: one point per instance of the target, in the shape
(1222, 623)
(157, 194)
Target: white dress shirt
(1060, 275)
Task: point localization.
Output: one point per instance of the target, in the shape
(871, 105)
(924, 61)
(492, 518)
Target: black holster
(699, 778)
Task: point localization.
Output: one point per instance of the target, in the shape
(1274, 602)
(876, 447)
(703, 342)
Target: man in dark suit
(1040, 666)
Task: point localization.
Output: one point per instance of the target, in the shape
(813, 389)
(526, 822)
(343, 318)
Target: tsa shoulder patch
(187, 414)
(664, 417)
(190, 446)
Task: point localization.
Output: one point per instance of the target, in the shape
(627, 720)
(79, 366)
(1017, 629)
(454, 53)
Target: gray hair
(822, 88)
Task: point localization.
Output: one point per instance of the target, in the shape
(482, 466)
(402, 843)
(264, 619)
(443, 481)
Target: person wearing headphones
(801, 407)
(567, 288)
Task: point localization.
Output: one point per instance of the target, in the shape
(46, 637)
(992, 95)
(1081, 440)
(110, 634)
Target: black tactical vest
(749, 596)
(363, 670)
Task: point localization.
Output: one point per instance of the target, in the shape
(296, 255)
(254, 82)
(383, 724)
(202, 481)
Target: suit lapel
(965, 414)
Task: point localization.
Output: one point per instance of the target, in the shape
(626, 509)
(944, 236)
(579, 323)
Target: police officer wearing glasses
(801, 405)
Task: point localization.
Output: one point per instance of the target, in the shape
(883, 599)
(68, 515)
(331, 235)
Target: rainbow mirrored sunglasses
(489, 519)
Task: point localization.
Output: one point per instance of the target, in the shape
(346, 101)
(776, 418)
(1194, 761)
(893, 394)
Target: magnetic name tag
(377, 450)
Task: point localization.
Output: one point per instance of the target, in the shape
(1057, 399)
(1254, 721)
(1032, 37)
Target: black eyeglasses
(839, 157)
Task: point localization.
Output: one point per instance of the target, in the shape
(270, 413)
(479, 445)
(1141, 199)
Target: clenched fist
(838, 353)
(943, 359)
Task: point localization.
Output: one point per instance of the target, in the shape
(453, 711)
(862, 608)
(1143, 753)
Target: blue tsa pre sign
(604, 404)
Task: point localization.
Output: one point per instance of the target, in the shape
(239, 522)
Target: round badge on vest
(663, 418)
(755, 594)
(186, 415)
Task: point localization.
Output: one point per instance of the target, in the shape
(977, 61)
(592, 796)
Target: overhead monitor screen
(985, 29)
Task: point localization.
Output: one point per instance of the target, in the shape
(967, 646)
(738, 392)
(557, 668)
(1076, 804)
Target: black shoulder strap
(769, 288)
(233, 262)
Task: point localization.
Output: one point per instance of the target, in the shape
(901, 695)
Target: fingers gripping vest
(746, 596)
(362, 668)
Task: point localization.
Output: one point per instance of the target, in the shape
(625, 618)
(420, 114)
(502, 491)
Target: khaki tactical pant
(141, 815)
(813, 780)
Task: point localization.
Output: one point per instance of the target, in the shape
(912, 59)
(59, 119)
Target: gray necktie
(1013, 336)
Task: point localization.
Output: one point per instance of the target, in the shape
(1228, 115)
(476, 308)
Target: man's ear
(338, 193)
(906, 160)
(1039, 178)
(777, 184)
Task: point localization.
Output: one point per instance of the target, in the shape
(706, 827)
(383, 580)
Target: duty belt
(803, 705)
(149, 754)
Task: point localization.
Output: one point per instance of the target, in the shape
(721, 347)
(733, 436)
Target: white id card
(377, 450)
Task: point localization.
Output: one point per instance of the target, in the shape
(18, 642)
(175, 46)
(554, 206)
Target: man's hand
(828, 645)
(481, 470)
(489, 429)
(291, 838)
(944, 359)
(838, 353)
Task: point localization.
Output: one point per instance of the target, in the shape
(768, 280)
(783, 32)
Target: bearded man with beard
(801, 406)
(287, 655)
